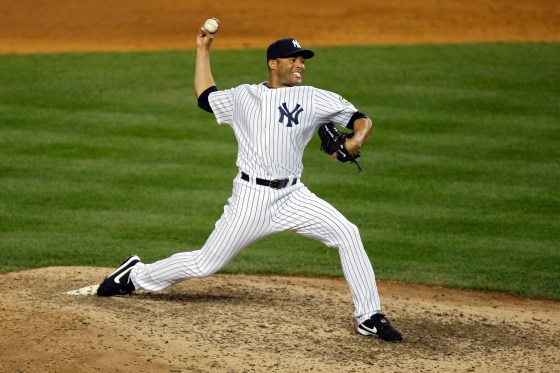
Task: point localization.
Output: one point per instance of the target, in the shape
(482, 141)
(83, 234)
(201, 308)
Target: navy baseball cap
(288, 47)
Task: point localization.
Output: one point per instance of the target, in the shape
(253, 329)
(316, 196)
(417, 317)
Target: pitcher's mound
(229, 323)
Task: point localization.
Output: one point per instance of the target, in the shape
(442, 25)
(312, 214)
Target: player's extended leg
(244, 221)
(309, 215)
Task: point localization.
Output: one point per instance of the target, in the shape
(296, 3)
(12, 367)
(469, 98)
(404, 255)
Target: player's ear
(272, 64)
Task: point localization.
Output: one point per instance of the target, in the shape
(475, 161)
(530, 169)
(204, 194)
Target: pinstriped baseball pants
(254, 212)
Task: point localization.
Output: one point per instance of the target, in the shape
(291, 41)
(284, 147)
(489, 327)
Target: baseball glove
(333, 141)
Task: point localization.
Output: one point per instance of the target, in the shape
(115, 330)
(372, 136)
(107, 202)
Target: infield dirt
(69, 25)
(266, 323)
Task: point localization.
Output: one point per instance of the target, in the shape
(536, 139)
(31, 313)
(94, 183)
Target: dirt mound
(230, 323)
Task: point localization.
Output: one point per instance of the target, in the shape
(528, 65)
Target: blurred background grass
(106, 154)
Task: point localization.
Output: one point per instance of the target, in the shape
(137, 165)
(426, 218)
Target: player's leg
(244, 221)
(309, 215)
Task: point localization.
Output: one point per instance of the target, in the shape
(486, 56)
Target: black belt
(276, 184)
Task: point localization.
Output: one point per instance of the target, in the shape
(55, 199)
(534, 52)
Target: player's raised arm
(202, 73)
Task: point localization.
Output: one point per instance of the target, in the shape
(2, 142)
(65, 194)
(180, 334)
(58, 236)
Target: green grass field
(106, 154)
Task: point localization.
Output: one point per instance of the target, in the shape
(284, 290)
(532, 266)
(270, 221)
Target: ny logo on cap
(296, 44)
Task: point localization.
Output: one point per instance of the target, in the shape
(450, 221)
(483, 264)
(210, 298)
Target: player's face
(289, 71)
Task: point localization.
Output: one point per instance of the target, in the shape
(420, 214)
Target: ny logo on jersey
(292, 116)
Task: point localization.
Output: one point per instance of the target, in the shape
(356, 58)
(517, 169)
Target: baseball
(211, 25)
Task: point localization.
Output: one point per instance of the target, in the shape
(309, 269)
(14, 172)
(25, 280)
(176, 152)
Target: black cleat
(379, 326)
(118, 282)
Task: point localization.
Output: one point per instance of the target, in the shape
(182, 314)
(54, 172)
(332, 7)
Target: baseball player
(272, 122)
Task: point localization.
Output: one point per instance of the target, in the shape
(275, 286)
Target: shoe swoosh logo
(118, 278)
(371, 330)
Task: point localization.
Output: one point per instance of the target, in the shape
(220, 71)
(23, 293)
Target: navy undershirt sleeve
(357, 115)
(203, 99)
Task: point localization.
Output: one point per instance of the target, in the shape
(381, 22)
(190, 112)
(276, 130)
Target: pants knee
(347, 236)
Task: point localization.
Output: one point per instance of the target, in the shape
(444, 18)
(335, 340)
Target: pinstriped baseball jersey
(273, 126)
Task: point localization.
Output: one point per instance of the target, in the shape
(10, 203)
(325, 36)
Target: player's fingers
(202, 32)
(204, 38)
